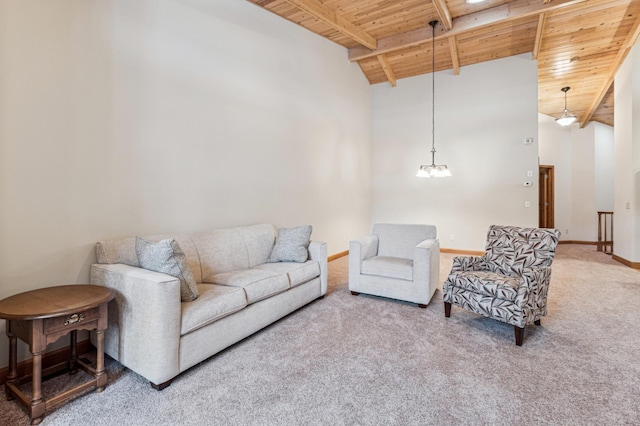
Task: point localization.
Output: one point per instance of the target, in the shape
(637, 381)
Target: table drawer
(71, 321)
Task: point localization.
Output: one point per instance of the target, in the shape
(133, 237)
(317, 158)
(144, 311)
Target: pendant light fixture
(566, 118)
(433, 170)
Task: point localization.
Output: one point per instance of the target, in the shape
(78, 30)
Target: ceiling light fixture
(566, 118)
(433, 170)
(475, 1)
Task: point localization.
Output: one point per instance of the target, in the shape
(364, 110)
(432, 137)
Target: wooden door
(545, 198)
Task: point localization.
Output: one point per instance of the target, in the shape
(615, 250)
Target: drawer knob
(73, 319)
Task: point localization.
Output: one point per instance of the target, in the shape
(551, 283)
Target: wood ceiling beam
(631, 39)
(455, 59)
(539, 31)
(496, 15)
(443, 13)
(388, 71)
(335, 21)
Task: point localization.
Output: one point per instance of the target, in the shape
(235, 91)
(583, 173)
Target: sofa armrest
(144, 319)
(318, 251)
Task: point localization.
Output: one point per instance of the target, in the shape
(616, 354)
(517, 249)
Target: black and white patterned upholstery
(510, 282)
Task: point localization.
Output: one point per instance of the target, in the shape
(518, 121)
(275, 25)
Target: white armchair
(397, 261)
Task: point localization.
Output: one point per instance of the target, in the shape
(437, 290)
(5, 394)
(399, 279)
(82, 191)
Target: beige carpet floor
(347, 360)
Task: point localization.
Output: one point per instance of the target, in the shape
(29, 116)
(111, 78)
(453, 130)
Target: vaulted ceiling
(577, 43)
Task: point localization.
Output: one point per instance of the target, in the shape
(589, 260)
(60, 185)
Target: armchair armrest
(364, 247)
(144, 319)
(426, 264)
(318, 251)
(535, 281)
(469, 263)
(359, 250)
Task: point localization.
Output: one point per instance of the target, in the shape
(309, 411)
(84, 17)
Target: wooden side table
(40, 317)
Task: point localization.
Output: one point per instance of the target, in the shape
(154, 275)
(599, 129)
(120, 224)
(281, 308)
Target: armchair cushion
(490, 284)
(386, 266)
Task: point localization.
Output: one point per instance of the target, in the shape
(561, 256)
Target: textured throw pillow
(167, 257)
(292, 245)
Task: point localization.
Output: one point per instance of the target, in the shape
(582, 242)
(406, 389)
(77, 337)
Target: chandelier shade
(566, 118)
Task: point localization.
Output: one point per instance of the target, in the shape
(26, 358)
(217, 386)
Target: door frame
(546, 195)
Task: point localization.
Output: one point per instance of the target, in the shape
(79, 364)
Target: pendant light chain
(433, 170)
(433, 92)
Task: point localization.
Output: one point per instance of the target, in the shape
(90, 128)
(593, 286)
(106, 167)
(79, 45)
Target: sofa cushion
(215, 302)
(167, 257)
(298, 273)
(386, 266)
(257, 283)
(123, 250)
(488, 283)
(224, 250)
(292, 245)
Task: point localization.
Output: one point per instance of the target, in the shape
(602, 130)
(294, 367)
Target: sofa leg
(447, 309)
(355, 293)
(161, 385)
(537, 322)
(519, 332)
(420, 305)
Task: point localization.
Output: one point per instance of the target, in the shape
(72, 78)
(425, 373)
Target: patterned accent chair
(397, 261)
(510, 282)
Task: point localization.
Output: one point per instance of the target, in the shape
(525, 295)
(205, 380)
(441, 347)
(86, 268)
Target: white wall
(627, 158)
(482, 118)
(555, 150)
(124, 117)
(604, 166)
(583, 167)
(584, 221)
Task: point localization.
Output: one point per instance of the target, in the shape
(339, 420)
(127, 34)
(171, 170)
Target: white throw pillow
(167, 257)
(292, 245)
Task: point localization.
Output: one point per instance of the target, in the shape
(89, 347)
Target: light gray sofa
(397, 261)
(156, 335)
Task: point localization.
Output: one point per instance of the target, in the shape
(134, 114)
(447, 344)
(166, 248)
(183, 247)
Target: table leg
(13, 361)
(101, 376)
(73, 352)
(37, 403)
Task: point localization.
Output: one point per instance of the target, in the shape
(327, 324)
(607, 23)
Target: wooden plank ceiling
(577, 43)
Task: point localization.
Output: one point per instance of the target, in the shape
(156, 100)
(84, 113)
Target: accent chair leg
(161, 385)
(537, 322)
(519, 332)
(355, 293)
(423, 306)
(447, 309)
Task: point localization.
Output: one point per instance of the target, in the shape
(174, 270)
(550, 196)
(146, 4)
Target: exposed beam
(631, 39)
(387, 69)
(455, 60)
(443, 13)
(463, 24)
(539, 30)
(335, 21)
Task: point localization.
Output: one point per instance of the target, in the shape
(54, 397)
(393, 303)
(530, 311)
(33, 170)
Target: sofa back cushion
(123, 250)
(400, 240)
(224, 250)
